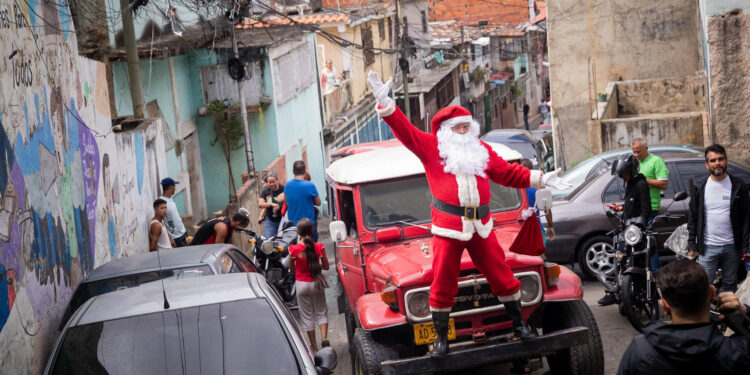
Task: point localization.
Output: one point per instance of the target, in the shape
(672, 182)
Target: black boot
(520, 329)
(440, 319)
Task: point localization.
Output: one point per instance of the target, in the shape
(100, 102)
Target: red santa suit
(453, 234)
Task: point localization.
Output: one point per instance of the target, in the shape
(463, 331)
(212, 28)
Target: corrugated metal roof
(308, 19)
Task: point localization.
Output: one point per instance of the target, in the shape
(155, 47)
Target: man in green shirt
(657, 175)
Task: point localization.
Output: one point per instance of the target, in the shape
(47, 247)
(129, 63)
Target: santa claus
(459, 167)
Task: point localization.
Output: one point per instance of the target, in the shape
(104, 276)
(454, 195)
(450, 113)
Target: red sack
(529, 240)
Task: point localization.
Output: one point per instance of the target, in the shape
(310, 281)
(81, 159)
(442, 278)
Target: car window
(504, 198)
(88, 290)
(242, 260)
(227, 265)
(527, 150)
(694, 170)
(235, 337)
(739, 173)
(615, 191)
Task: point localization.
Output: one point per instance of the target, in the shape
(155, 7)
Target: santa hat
(449, 117)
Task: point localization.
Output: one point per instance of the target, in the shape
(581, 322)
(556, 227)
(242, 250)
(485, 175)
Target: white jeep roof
(388, 163)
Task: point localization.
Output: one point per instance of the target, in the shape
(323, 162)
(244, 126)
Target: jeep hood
(409, 263)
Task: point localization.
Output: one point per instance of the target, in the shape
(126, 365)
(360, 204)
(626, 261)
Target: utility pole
(134, 71)
(243, 112)
(403, 61)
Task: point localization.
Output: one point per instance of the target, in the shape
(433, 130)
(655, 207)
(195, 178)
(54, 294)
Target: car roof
(508, 136)
(388, 163)
(679, 148)
(365, 147)
(148, 261)
(181, 293)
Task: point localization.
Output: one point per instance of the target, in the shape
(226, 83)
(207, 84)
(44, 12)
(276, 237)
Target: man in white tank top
(159, 239)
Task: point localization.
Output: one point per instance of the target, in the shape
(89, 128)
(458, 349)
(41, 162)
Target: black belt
(468, 212)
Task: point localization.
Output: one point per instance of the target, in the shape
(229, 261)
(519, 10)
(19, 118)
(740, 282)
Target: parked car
(222, 324)
(520, 140)
(580, 220)
(587, 168)
(185, 262)
(383, 252)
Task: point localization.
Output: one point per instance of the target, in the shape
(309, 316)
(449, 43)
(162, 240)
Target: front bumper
(495, 350)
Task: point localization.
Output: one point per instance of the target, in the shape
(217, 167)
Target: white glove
(526, 214)
(550, 179)
(379, 89)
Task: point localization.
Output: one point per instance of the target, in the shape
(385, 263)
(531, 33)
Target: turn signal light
(551, 273)
(390, 297)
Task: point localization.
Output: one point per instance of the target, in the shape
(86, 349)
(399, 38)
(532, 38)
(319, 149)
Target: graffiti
(22, 73)
(20, 17)
(48, 166)
(4, 19)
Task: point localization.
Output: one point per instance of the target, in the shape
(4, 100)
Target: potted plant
(602, 96)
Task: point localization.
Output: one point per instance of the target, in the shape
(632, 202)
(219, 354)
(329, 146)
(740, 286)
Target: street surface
(614, 328)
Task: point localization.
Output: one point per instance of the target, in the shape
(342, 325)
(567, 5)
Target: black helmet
(626, 164)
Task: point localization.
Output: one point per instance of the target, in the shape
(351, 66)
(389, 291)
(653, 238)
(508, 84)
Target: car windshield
(576, 176)
(88, 290)
(237, 337)
(527, 150)
(408, 201)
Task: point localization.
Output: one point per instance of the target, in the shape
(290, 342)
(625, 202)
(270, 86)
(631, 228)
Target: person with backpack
(309, 259)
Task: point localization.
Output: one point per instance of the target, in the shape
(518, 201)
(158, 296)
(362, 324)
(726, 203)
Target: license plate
(425, 333)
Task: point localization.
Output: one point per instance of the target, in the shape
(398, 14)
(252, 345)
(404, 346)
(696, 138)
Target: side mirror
(543, 199)
(325, 361)
(337, 230)
(680, 196)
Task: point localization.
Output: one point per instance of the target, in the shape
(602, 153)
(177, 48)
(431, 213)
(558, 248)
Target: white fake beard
(462, 153)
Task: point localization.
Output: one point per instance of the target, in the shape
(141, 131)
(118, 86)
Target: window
(232, 337)
(424, 21)
(242, 260)
(392, 31)
(691, 172)
(406, 27)
(739, 173)
(369, 55)
(348, 214)
(615, 191)
(227, 265)
(381, 29)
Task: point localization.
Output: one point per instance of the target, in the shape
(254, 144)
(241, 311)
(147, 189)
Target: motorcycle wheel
(635, 304)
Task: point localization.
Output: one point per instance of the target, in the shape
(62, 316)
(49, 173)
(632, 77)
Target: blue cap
(168, 182)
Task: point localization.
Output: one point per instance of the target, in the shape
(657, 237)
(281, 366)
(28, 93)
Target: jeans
(270, 228)
(655, 260)
(526, 121)
(725, 257)
(181, 241)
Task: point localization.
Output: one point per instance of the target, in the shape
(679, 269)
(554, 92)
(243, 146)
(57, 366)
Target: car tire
(369, 354)
(597, 255)
(583, 359)
(351, 325)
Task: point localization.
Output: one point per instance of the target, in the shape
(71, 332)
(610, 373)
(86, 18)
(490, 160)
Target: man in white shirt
(173, 221)
(719, 224)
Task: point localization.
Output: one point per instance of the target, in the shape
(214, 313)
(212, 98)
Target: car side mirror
(543, 199)
(325, 361)
(337, 230)
(680, 196)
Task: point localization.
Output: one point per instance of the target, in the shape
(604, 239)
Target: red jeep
(384, 260)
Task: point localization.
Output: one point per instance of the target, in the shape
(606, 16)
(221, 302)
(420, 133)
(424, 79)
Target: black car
(580, 221)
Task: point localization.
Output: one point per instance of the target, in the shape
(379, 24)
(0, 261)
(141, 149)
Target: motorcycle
(271, 258)
(633, 283)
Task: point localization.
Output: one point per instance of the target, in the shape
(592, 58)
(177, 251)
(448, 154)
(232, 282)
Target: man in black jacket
(691, 344)
(637, 200)
(718, 225)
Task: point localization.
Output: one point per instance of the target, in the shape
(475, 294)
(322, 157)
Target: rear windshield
(92, 289)
(408, 201)
(238, 337)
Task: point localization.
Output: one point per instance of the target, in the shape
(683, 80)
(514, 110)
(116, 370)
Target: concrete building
(634, 40)
(75, 193)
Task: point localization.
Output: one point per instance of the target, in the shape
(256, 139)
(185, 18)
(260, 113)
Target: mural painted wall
(73, 195)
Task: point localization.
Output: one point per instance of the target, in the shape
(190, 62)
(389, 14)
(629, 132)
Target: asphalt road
(614, 328)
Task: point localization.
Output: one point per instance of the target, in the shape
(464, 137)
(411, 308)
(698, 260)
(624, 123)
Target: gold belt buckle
(473, 210)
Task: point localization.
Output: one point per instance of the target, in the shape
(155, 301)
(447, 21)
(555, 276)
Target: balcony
(337, 100)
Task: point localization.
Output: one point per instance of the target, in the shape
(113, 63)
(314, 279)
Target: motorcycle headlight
(529, 288)
(267, 247)
(419, 305)
(633, 235)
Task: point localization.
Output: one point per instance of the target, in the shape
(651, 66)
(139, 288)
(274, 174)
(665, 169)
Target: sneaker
(608, 299)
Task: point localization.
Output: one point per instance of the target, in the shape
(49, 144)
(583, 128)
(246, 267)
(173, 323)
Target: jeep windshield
(407, 201)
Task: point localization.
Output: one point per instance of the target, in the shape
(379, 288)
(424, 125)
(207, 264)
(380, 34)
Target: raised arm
(511, 175)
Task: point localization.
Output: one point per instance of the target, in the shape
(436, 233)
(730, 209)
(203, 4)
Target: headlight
(529, 288)
(632, 235)
(419, 304)
(267, 247)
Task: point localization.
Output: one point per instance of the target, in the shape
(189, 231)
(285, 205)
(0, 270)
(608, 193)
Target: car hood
(409, 263)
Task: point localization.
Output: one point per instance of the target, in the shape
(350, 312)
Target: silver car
(183, 262)
(580, 221)
(222, 324)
